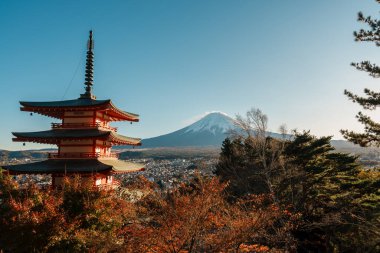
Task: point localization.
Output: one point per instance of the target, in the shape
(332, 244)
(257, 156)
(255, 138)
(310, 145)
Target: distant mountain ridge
(21, 154)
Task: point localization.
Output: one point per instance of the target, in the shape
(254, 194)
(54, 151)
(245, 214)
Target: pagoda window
(76, 142)
(103, 116)
(79, 120)
(79, 117)
(78, 114)
(103, 143)
(75, 149)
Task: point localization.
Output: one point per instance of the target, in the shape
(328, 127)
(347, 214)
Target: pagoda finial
(89, 76)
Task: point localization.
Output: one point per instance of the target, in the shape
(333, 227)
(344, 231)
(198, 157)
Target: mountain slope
(211, 130)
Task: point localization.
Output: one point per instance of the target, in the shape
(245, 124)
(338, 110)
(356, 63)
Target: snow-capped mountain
(215, 123)
(210, 130)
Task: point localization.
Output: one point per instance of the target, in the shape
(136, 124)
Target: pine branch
(370, 102)
(369, 125)
(371, 135)
(372, 35)
(362, 139)
(366, 66)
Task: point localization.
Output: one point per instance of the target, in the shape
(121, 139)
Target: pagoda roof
(66, 103)
(56, 109)
(53, 136)
(75, 166)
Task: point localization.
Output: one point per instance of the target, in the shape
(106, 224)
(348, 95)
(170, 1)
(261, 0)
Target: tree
(250, 161)
(333, 195)
(195, 217)
(78, 218)
(334, 200)
(191, 217)
(371, 101)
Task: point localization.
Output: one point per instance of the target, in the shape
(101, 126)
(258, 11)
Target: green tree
(250, 161)
(337, 200)
(371, 100)
(333, 195)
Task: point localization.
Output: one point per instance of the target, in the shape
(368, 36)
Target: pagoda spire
(89, 76)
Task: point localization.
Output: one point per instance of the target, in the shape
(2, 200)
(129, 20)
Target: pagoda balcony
(81, 125)
(81, 155)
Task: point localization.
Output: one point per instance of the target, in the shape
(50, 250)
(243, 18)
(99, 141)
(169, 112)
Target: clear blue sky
(171, 61)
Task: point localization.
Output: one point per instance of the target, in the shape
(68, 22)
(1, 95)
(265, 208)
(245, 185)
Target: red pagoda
(84, 137)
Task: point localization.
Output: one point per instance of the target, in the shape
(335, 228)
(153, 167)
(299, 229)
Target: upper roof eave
(80, 102)
(126, 115)
(45, 108)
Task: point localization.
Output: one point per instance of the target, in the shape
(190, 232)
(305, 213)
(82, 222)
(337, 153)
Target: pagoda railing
(82, 155)
(82, 125)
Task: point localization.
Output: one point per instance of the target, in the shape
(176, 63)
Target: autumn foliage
(197, 218)
(193, 217)
(268, 195)
(76, 218)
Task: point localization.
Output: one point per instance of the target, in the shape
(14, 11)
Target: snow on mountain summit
(215, 122)
(210, 130)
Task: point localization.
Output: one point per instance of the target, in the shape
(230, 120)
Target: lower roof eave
(126, 172)
(74, 166)
(15, 173)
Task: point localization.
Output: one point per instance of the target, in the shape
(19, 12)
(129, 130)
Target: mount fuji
(210, 130)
